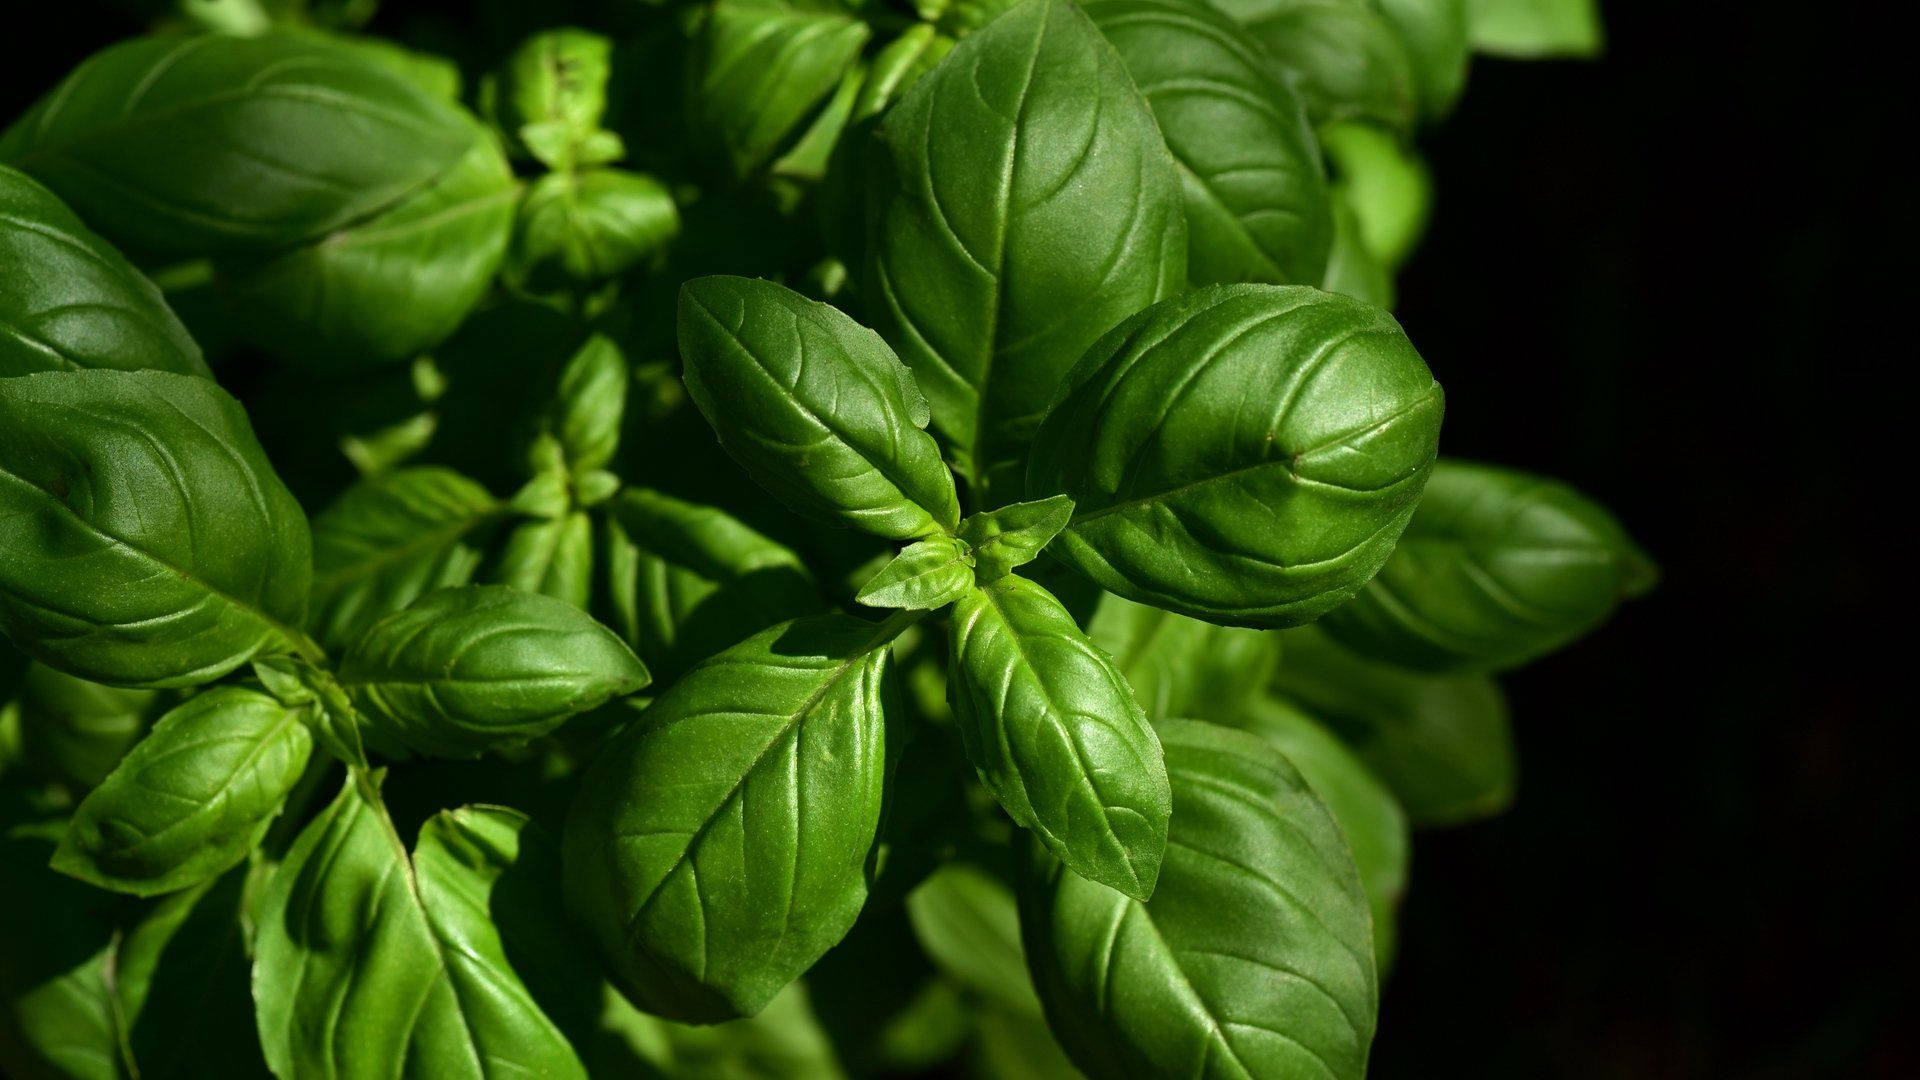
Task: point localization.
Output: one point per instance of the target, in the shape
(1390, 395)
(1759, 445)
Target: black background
(1655, 276)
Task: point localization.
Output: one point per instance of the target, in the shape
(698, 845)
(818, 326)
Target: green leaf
(145, 539)
(553, 558)
(990, 288)
(75, 731)
(181, 986)
(1441, 743)
(1056, 734)
(464, 670)
(369, 963)
(1435, 35)
(759, 70)
(688, 581)
(1369, 816)
(1352, 270)
(1254, 957)
(389, 286)
(930, 574)
(843, 193)
(83, 305)
(56, 975)
(1013, 535)
(192, 798)
(1533, 29)
(590, 225)
(1345, 58)
(967, 921)
(589, 403)
(213, 144)
(815, 407)
(1385, 185)
(390, 539)
(1181, 667)
(1245, 454)
(719, 847)
(552, 93)
(1255, 192)
(1496, 568)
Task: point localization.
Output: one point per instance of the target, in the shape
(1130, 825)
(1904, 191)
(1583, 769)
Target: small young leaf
(369, 961)
(720, 845)
(815, 407)
(147, 541)
(1254, 954)
(1013, 535)
(932, 573)
(589, 226)
(1496, 568)
(553, 558)
(83, 305)
(463, 670)
(1245, 454)
(552, 93)
(1056, 734)
(588, 404)
(192, 798)
(389, 539)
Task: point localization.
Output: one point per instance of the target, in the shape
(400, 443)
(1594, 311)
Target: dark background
(1653, 276)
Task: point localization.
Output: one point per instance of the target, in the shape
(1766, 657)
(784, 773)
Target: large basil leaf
(144, 539)
(389, 539)
(815, 407)
(181, 984)
(215, 144)
(1441, 743)
(192, 798)
(389, 286)
(1535, 28)
(82, 305)
(1254, 957)
(719, 847)
(1345, 57)
(56, 974)
(1256, 194)
(1245, 454)
(1370, 817)
(1435, 34)
(1181, 667)
(464, 670)
(1496, 568)
(1056, 734)
(690, 580)
(373, 964)
(1023, 203)
(75, 731)
(759, 69)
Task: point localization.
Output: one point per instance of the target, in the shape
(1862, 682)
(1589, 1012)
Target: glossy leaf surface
(144, 539)
(553, 558)
(1245, 454)
(932, 573)
(1056, 734)
(720, 846)
(1023, 203)
(1254, 957)
(1014, 534)
(1496, 568)
(192, 798)
(463, 670)
(390, 539)
(1250, 172)
(214, 144)
(373, 964)
(815, 407)
(71, 300)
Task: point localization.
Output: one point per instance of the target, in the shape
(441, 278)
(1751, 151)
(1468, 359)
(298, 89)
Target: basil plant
(742, 538)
